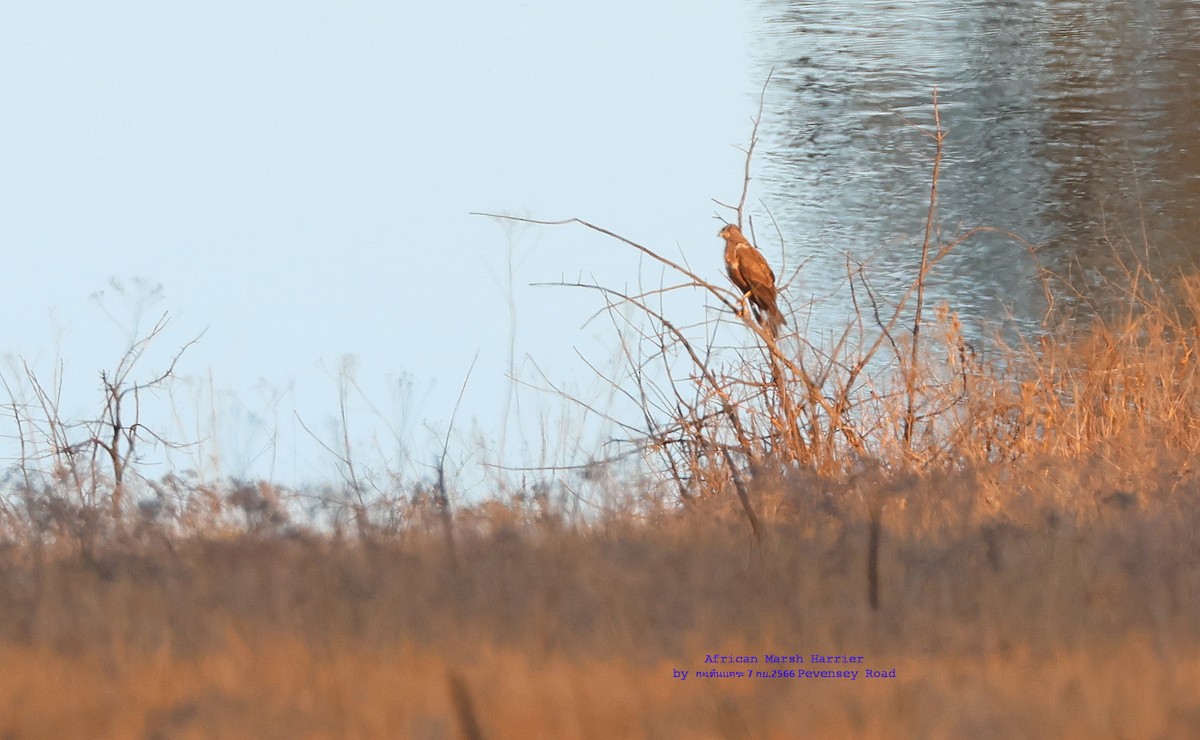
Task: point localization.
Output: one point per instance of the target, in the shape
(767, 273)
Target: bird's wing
(756, 272)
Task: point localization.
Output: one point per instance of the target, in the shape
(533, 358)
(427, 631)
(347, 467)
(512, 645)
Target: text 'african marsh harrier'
(749, 271)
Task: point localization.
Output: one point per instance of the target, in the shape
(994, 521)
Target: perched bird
(749, 271)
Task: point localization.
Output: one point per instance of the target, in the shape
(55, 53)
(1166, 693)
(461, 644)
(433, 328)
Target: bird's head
(731, 233)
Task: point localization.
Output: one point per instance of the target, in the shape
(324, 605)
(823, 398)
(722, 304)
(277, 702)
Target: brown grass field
(1058, 598)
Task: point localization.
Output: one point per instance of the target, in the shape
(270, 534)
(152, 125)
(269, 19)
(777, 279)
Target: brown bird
(749, 271)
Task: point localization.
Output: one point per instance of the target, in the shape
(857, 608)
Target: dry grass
(1056, 599)
(278, 688)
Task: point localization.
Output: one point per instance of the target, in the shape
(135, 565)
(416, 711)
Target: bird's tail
(774, 320)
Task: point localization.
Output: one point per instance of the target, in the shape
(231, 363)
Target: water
(1071, 124)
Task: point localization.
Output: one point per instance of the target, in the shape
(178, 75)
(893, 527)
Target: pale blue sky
(298, 177)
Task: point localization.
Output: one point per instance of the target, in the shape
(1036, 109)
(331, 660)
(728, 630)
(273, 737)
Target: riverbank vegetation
(1008, 531)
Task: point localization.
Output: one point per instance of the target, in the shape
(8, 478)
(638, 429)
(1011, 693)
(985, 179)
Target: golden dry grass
(1055, 599)
(279, 688)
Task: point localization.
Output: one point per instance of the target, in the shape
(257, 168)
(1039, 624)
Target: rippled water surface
(1075, 125)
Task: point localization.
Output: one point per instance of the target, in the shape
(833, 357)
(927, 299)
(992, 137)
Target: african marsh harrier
(749, 271)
